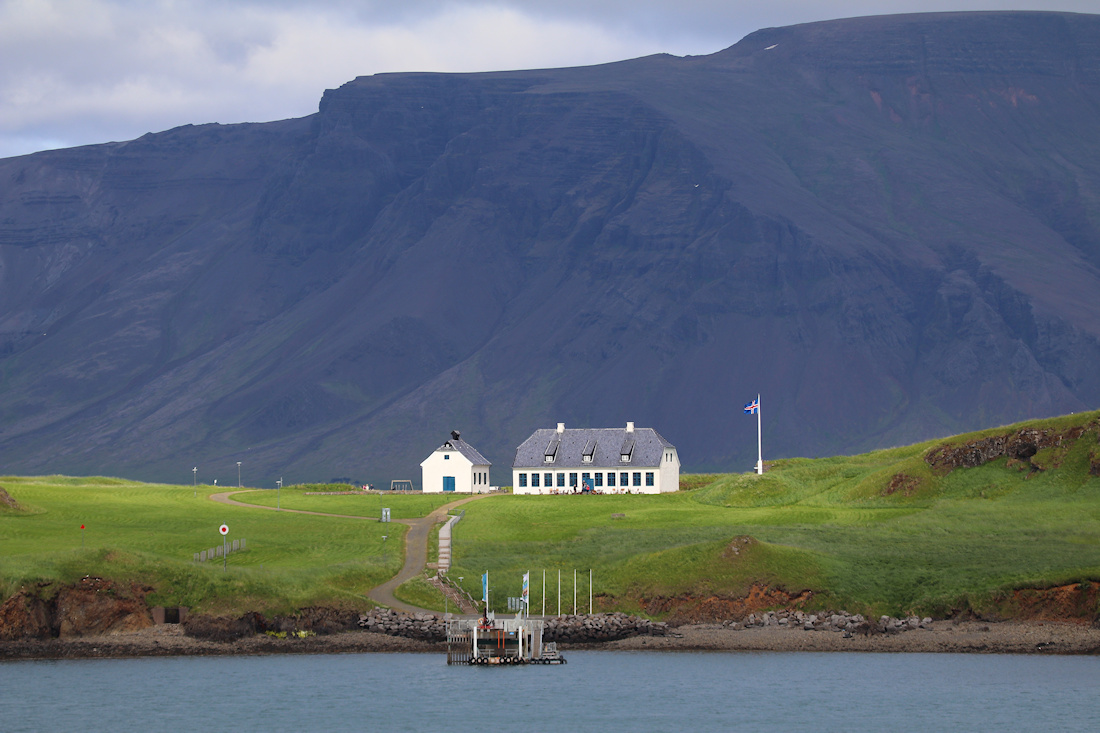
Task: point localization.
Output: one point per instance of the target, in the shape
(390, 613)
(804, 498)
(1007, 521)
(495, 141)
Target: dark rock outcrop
(1021, 445)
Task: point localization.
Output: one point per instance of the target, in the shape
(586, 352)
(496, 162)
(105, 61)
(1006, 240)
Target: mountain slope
(887, 226)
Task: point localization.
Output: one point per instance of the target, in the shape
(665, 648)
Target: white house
(455, 466)
(608, 460)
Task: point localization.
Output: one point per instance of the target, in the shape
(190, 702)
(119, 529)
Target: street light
(238, 474)
(195, 480)
(279, 494)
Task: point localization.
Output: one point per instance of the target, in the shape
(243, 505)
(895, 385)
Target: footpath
(415, 547)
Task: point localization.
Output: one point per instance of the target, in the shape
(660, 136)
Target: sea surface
(595, 691)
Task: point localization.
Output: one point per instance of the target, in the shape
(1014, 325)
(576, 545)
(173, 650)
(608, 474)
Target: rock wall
(840, 621)
(428, 627)
(569, 629)
(600, 627)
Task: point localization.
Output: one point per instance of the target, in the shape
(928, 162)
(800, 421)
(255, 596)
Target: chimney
(561, 427)
(630, 427)
(454, 435)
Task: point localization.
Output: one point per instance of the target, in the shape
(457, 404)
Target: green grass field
(401, 506)
(934, 544)
(149, 533)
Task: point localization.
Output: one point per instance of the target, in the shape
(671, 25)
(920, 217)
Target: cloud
(85, 71)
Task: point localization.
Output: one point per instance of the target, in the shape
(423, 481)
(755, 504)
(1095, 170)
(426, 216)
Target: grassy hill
(979, 522)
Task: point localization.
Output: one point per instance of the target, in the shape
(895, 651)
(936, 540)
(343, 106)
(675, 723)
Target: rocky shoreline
(1007, 637)
(99, 618)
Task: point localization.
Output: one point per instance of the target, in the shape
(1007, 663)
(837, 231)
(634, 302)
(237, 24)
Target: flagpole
(759, 443)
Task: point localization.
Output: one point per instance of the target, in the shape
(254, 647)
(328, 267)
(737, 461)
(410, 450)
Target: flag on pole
(525, 594)
(485, 588)
(751, 408)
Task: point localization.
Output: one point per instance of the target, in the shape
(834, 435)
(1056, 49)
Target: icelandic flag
(753, 407)
(524, 594)
(485, 587)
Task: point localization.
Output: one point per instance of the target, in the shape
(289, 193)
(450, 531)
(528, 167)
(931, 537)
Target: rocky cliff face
(886, 226)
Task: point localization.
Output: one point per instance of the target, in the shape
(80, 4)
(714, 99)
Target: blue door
(448, 483)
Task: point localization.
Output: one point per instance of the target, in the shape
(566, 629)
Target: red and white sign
(224, 529)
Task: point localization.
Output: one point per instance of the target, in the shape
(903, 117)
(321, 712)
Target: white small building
(606, 460)
(455, 466)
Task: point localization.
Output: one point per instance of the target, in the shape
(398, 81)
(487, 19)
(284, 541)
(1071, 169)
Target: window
(446, 457)
(610, 478)
(586, 459)
(549, 480)
(649, 478)
(561, 480)
(637, 478)
(534, 479)
(523, 479)
(624, 479)
(599, 479)
(573, 480)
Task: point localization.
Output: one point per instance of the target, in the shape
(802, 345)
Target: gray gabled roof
(456, 443)
(645, 445)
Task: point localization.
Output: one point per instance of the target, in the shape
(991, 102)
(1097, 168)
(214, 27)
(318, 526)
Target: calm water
(596, 691)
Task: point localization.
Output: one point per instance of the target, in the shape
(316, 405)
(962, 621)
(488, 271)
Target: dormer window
(551, 451)
(588, 452)
(628, 448)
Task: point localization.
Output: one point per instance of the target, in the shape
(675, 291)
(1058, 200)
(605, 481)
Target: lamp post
(195, 480)
(279, 494)
(238, 474)
(384, 549)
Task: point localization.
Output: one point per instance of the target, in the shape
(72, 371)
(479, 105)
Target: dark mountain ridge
(887, 226)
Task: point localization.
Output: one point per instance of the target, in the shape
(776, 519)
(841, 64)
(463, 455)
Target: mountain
(888, 226)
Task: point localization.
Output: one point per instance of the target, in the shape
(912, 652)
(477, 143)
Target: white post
(559, 591)
(589, 591)
(759, 444)
(574, 591)
(544, 591)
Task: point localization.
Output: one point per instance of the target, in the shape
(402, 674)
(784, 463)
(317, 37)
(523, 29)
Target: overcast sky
(74, 72)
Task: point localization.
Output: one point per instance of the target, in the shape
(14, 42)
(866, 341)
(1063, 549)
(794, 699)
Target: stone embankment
(424, 626)
(600, 627)
(849, 623)
(567, 629)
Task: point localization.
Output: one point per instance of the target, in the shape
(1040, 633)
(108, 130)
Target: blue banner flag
(485, 587)
(526, 586)
(752, 407)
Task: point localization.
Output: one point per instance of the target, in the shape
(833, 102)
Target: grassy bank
(883, 532)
